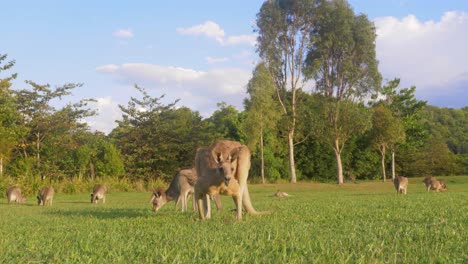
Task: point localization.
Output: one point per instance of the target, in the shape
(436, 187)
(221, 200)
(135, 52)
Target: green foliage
(9, 117)
(156, 140)
(320, 223)
(341, 57)
(226, 123)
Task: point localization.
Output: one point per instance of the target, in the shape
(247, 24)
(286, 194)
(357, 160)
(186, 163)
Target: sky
(203, 52)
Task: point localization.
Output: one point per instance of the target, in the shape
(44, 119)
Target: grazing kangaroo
(280, 194)
(179, 190)
(223, 168)
(433, 184)
(99, 192)
(401, 184)
(45, 196)
(14, 194)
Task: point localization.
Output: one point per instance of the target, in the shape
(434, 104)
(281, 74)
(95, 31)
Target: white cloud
(123, 33)
(212, 30)
(241, 39)
(198, 90)
(108, 112)
(427, 54)
(209, 29)
(212, 60)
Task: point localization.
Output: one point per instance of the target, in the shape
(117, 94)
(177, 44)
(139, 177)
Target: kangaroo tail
(248, 204)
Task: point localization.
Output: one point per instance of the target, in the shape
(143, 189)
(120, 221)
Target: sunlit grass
(320, 223)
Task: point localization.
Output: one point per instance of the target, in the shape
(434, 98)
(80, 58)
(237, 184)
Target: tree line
(316, 110)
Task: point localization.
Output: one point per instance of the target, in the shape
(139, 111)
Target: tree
(407, 111)
(341, 59)
(9, 116)
(335, 122)
(44, 122)
(284, 28)
(226, 122)
(387, 131)
(140, 137)
(262, 110)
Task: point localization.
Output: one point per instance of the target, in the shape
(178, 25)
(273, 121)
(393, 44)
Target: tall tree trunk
(91, 169)
(38, 148)
(393, 164)
(1, 166)
(262, 157)
(339, 165)
(292, 166)
(382, 152)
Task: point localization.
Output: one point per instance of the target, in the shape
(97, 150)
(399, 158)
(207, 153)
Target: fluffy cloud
(198, 90)
(108, 111)
(212, 30)
(430, 55)
(123, 33)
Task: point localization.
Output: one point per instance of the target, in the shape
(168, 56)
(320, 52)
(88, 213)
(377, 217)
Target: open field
(364, 222)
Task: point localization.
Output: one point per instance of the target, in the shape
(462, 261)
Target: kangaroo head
(158, 199)
(227, 164)
(39, 200)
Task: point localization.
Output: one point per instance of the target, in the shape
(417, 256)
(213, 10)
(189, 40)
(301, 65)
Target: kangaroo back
(14, 194)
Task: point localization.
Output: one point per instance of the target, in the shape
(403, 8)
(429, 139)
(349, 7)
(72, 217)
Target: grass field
(364, 222)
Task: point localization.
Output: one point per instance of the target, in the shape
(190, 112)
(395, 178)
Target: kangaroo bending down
(433, 184)
(14, 194)
(223, 168)
(179, 190)
(280, 194)
(99, 193)
(401, 184)
(45, 196)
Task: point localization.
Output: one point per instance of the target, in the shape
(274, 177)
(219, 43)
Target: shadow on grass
(105, 213)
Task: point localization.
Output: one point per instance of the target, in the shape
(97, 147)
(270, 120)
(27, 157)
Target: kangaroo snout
(227, 180)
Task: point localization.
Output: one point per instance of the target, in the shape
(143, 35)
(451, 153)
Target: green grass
(364, 222)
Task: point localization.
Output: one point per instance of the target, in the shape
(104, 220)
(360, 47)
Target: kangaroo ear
(234, 154)
(217, 156)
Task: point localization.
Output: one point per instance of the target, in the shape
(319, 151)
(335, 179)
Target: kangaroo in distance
(280, 194)
(401, 184)
(45, 196)
(433, 184)
(14, 194)
(223, 168)
(179, 190)
(99, 193)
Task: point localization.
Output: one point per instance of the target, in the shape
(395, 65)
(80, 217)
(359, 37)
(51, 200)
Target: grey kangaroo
(45, 196)
(99, 193)
(14, 194)
(179, 190)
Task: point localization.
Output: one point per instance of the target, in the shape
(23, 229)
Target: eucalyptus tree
(262, 110)
(284, 29)
(407, 112)
(341, 59)
(387, 131)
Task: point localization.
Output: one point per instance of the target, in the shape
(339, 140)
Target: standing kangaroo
(223, 168)
(99, 192)
(401, 184)
(179, 190)
(14, 194)
(45, 196)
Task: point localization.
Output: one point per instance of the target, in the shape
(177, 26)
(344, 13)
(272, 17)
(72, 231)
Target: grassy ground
(364, 222)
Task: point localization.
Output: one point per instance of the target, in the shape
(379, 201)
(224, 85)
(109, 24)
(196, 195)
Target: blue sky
(203, 52)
